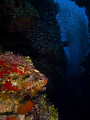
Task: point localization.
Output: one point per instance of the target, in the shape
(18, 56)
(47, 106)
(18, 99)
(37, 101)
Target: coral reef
(45, 39)
(39, 26)
(19, 79)
(43, 109)
(36, 35)
(17, 16)
(42, 42)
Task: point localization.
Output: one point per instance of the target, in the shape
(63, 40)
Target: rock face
(34, 32)
(20, 86)
(15, 82)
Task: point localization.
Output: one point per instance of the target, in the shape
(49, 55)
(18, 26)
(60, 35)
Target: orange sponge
(24, 108)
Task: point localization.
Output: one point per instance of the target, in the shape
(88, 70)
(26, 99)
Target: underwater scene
(44, 59)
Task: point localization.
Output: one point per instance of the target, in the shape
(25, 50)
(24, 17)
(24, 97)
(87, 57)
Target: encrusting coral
(18, 79)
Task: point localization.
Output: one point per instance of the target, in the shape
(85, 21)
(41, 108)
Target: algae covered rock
(21, 87)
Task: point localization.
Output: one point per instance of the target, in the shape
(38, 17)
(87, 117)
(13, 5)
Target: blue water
(70, 99)
(73, 24)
